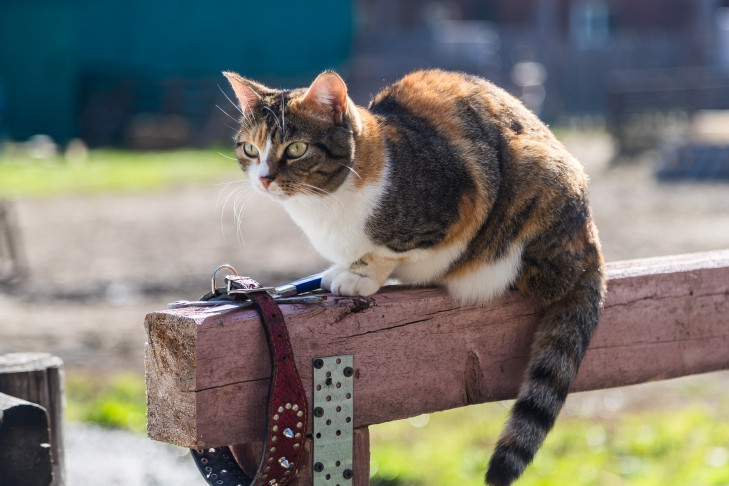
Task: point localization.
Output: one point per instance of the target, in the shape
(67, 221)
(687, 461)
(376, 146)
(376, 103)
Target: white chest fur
(335, 224)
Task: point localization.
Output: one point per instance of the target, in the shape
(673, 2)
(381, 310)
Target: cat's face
(295, 143)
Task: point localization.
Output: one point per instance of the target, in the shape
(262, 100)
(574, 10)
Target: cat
(444, 179)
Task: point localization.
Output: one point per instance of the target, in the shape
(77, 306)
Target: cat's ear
(327, 96)
(244, 90)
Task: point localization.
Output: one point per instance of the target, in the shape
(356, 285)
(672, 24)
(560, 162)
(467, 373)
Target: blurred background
(118, 195)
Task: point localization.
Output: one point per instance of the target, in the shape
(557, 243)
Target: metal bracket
(333, 420)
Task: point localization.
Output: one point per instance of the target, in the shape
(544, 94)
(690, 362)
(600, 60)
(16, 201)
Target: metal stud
(276, 417)
(295, 407)
(296, 446)
(288, 406)
(299, 425)
(299, 413)
(275, 428)
(280, 409)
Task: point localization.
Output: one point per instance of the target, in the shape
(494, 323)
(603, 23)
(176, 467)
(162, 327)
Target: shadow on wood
(25, 451)
(38, 378)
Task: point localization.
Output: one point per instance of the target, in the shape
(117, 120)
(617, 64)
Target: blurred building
(558, 55)
(146, 73)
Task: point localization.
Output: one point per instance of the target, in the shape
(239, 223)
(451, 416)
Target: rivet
(318, 467)
(299, 413)
(299, 425)
(275, 428)
(280, 409)
(318, 412)
(328, 382)
(347, 474)
(276, 417)
(295, 407)
(288, 406)
(348, 371)
(318, 363)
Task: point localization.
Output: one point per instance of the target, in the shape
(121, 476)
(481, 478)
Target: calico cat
(444, 179)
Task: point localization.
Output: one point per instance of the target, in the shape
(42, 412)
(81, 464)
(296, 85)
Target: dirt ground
(98, 264)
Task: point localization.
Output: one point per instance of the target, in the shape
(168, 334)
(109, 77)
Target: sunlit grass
(684, 444)
(115, 401)
(688, 445)
(111, 170)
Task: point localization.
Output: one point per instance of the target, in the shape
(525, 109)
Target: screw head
(348, 371)
(347, 474)
(318, 467)
(318, 412)
(318, 363)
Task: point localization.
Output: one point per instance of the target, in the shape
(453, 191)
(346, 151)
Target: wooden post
(38, 378)
(416, 351)
(25, 452)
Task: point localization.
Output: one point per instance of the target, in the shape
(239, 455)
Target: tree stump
(38, 378)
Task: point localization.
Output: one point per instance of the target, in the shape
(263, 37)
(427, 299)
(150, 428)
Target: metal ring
(215, 274)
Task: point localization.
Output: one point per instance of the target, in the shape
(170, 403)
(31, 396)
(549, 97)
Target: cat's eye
(250, 150)
(296, 149)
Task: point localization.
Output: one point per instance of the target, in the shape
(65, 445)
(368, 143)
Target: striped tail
(557, 350)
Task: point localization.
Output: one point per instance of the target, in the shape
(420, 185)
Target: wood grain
(417, 351)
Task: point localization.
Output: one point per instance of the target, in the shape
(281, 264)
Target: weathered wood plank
(38, 378)
(416, 351)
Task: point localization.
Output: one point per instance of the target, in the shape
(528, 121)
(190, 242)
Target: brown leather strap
(288, 411)
(287, 405)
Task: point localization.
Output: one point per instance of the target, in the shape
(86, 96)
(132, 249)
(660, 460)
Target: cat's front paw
(340, 281)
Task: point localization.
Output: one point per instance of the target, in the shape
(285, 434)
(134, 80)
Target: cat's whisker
(278, 122)
(240, 211)
(227, 114)
(231, 101)
(231, 191)
(283, 115)
(322, 191)
(228, 156)
(352, 170)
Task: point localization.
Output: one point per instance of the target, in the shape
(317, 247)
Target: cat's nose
(266, 180)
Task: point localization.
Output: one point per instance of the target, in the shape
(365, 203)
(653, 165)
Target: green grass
(685, 446)
(111, 170)
(115, 401)
(686, 443)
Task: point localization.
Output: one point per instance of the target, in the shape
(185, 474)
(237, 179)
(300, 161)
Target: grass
(683, 444)
(107, 170)
(115, 401)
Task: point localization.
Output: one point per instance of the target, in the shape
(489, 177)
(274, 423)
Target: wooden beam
(38, 378)
(416, 351)
(25, 451)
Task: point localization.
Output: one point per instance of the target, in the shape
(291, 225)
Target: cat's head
(298, 142)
